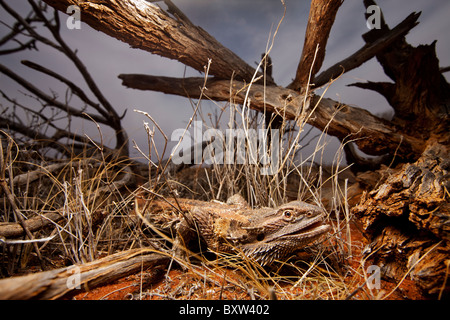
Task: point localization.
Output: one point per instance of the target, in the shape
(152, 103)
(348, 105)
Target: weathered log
(71, 280)
(407, 219)
(12, 230)
(373, 135)
(146, 26)
(105, 112)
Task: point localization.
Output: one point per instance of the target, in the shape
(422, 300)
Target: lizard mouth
(304, 232)
(313, 229)
(276, 246)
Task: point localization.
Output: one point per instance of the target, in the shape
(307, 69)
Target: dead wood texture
(407, 217)
(321, 18)
(63, 282)
(146, 26)
(12, 230)
(408, 220)
(373, 135)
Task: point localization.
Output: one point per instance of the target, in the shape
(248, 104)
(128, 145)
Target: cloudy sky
(242, 26)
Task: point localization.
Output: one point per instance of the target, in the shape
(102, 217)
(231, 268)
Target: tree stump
(407, 219)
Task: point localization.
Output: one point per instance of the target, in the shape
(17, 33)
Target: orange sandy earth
(190, 285)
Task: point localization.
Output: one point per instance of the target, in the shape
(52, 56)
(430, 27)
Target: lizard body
(263, 235)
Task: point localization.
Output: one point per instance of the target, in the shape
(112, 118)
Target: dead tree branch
(12, 201)
(368, 51)
(102, 112)
(151, 19)
(155, 31)
(174, 40)
(13, 230)
(373, 135)
(420, 94)
(47, 98)
(321, 18)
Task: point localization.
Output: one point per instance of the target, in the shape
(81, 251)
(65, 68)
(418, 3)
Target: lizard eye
(288, 215)
(260, 237)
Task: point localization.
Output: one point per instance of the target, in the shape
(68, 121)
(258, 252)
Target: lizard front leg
(185, 234)
(196, 224)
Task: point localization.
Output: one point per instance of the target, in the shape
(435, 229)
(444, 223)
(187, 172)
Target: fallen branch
(14, 229)
(12, 200)
(71, 280)
(374, 136)
(31, 176)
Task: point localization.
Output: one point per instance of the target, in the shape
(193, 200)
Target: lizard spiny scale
(263, 235)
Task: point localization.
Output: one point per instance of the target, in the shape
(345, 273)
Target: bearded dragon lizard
(263, 235)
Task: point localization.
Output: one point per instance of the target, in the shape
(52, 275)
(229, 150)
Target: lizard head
(278, 232)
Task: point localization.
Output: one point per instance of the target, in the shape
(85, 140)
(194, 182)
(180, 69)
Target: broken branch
(368, 51)
(374, 135)
(61, 282)
(321, 18)
(154, 30)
